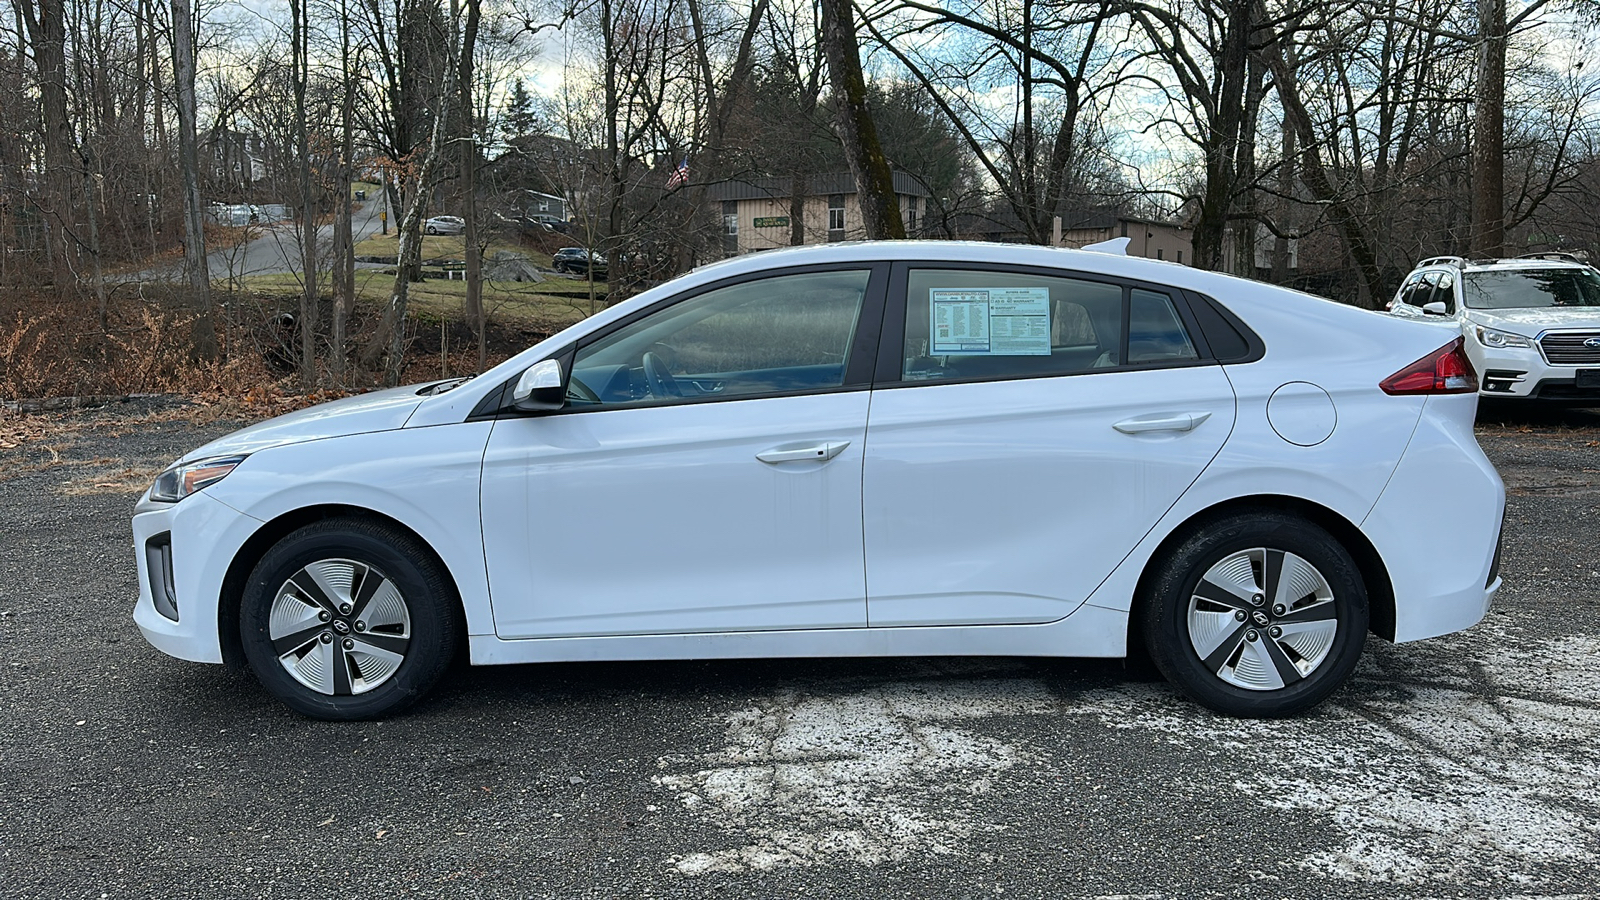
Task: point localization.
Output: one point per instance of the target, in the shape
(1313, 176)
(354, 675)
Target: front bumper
(1521, 373)
(183, 551)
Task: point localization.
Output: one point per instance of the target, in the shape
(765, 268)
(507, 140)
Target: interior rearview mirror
(541, 388)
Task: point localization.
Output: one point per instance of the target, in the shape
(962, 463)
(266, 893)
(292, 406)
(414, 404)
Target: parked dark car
(579, 261)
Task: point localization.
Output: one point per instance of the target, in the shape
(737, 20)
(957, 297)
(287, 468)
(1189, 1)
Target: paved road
(269, 249)
(1461, 767)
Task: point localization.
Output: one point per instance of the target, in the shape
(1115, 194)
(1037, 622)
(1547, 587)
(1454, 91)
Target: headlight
(1489, 337)
(182, 479)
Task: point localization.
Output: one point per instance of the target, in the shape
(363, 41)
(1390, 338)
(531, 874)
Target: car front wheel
(349, 619)
(1258, 614)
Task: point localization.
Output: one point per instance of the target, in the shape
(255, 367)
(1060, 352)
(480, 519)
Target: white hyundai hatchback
(858, 450)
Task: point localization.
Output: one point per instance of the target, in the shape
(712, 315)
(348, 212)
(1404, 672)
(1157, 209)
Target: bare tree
(194, 243)
(473, 304)
(1040, 154)
(299, 78)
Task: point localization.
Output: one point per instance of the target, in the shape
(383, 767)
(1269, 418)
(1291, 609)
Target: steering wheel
(660, 380)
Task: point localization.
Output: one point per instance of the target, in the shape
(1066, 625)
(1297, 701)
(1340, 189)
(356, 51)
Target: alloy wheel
(339, 627)
(1262, 619)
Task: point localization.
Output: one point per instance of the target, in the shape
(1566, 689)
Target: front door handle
(1162, 422)
(793, 452)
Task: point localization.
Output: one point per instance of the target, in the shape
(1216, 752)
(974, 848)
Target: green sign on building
(772, 221)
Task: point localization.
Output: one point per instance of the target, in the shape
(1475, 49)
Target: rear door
(1027, 430)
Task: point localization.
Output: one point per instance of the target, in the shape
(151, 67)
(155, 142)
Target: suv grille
(1569, 348)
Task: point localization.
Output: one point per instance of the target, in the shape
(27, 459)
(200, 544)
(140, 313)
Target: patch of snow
(865, 777)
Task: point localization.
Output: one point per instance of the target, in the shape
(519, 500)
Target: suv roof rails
(1442, 260)
(1559, 255)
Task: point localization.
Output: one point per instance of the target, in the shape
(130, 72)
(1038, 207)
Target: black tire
(1278, 659)
(316, 589)
(430, 230)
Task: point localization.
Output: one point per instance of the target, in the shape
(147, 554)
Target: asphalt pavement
(270, 248)
(1458, 767)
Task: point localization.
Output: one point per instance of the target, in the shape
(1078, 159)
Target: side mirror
(1436, 308)
(541, 388)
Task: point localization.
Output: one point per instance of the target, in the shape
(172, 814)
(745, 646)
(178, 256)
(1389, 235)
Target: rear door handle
(793, 452)
(1162, 422)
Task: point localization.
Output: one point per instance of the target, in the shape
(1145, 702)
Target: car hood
(1529, 322)
(377, 411)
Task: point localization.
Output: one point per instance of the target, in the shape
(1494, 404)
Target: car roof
(1514, 264)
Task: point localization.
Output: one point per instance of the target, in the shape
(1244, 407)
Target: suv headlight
(182, 479)
(1490, 337)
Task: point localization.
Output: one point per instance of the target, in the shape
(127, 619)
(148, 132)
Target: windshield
(1532, 288)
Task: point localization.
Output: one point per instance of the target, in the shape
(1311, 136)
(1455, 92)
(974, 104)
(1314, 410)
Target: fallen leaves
(17, 430)
(129, 480)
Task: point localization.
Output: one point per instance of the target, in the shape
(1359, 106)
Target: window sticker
(989, 321)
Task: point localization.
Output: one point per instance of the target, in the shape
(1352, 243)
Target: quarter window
(774, 335)
(1155, 333)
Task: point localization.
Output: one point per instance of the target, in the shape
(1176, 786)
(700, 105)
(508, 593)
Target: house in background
(541, 207)
(238, 158)
(1148, 238)
(758, 214)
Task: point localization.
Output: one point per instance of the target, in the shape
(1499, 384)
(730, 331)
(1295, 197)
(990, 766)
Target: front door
(706, 475)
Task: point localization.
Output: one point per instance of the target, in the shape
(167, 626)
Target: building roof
(815, 186)
(1003, 221)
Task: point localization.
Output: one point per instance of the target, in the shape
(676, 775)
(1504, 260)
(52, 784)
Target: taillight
(1444, 371)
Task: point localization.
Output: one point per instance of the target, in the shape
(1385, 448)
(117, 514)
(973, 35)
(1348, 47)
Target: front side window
(963, 324)
(1445, 292)
(773, 335)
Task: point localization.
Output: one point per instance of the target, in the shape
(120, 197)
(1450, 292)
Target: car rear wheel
(1258, 614)
(349, 619)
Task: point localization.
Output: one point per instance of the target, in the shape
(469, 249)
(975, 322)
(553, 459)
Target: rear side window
(968, 324)
(1155, 333)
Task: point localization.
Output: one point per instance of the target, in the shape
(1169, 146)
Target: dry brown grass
(54, 355)
(17, 430)
(126, 480)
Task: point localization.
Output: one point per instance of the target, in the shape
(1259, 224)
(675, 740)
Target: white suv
(1532, 324)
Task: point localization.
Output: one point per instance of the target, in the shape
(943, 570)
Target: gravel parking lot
(1460, 767)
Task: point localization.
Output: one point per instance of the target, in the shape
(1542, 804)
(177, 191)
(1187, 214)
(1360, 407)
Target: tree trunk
(390, 340)
(1216, 200)
(797, 208)
(194, 231)
(880, 209)
(1286, 191)
(469, 188)
(47, 30)
(1488, 138)
(344, 263)
(299, 37)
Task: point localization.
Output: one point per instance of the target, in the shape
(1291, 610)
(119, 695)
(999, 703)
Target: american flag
(679, 176)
